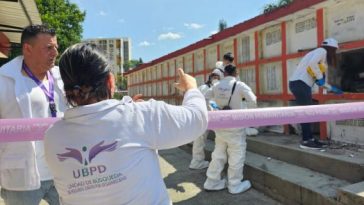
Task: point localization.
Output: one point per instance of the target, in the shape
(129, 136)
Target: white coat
(311, 59)
(18, 168)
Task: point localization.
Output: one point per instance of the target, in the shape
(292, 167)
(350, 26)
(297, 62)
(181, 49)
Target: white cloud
(193, 25)
(145, 44)
(169, 36)
(121, 20)
(213, 32)
(102, 13)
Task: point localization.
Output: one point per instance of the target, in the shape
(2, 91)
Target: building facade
(116, 50)
(267, 49)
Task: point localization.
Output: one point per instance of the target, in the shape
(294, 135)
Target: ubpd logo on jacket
(94, 151)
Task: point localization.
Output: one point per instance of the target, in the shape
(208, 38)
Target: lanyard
(49, 93)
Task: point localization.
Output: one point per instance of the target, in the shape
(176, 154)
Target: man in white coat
(30, 87)
(230, 144)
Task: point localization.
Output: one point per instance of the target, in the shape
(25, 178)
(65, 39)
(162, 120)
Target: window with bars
(273, 37)
(305, 25)
(272, 84)
(245, 49)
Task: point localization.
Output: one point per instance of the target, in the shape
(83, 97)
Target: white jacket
(18, 168)
(311, 59)
(105, 153)
(221, 92)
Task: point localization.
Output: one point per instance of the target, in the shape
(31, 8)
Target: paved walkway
(185, 185)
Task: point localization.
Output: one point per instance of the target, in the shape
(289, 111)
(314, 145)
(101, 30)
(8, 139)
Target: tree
(65, 17)
(269, 7)
(121, 82)
(284, 2)
(132, 64)
(222, 25)
(273, 6)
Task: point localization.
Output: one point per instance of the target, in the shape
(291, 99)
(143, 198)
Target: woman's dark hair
(230, 70)
(84, 71)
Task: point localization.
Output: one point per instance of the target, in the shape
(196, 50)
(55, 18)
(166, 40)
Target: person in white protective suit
(230, 144)
(228, 59)
(198, 154)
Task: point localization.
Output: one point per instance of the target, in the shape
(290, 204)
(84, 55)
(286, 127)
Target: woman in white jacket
(104, 151)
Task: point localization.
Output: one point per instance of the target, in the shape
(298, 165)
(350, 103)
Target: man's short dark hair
(230, 69)
(31, 31)
(229, 57)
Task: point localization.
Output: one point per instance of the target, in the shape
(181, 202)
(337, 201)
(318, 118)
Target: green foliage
(222, 25)
(269, 7)
(273, 6)
(65, 17)
(132, 64)
(118, 96)
(121, 82)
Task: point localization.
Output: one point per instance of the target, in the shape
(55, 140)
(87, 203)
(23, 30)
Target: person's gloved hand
(320, 82)
(214, 105)
(336, 90)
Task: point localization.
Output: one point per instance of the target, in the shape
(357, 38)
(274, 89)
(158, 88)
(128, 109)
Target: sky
(159, 27)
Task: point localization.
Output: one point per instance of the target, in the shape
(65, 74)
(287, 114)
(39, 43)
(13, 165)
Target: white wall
(302, 33)
(345, 20)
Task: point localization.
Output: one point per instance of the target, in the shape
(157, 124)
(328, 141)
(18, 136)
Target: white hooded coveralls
(230, 144)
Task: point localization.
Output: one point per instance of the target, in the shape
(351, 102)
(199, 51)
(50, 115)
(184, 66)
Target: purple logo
(94, 151)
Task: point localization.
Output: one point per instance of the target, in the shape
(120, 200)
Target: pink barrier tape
(15, 130)
(285, 115)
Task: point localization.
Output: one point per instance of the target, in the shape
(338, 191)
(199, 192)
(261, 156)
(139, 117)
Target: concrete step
(344, 163)
(287, 183)
(291, 184)
(352, 194)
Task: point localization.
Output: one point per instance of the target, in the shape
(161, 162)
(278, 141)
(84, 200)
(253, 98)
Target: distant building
(117, 51)
(127, 49)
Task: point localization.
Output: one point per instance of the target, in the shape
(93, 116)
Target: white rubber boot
(240, 188)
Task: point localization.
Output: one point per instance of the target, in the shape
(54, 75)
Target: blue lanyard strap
(49, 93)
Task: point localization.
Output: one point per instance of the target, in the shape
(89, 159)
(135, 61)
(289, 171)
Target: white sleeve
(203, 88)
(246, 92)
(318, 57)
(170, 126)
(209, 94)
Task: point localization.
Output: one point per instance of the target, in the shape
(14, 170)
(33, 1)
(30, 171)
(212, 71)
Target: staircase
(277, 167)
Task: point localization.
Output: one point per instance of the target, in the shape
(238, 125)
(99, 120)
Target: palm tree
(222, 25)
